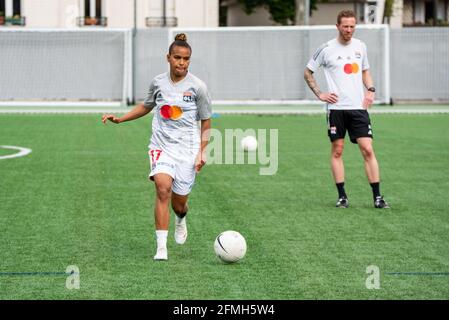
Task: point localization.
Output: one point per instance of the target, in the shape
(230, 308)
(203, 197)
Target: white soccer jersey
(343, 66)
(177, 109)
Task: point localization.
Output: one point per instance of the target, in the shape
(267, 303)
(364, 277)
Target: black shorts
(357, 122)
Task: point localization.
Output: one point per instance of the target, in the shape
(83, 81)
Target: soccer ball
(249, 143)
(230, 246)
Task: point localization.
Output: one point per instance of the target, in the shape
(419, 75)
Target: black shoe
(380, 203)
(342, 203)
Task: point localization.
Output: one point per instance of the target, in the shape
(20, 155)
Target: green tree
(388, 10)
(282, 11)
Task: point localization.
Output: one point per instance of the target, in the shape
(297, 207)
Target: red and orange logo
(351, 68)
(171, 112)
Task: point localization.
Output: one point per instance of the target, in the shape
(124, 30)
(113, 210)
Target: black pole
(435, 12)
(164, 13)
(133, 57)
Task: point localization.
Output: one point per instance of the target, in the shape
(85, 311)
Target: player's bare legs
(372, 171)
(163, 183)
(179, 205)
(338, 171)
(371, 165)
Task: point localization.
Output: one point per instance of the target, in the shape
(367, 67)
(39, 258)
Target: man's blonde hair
(346, 14)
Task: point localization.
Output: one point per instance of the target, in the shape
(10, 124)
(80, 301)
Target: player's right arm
(137, 112)
(323, 96)
(318, 59)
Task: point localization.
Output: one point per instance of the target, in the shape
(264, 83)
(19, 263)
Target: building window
(223, 14)
(162, 14)
(92, 13)
(16, 8)
(2, 12)
(429, 12)
(10, 13)
(92, 8)
(446, 14)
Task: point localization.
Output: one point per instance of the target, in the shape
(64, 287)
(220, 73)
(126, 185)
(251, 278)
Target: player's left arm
(368, 82)
(205, 135)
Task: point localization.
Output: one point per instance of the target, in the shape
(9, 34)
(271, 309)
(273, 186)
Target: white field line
(219, 111)
(22, 152)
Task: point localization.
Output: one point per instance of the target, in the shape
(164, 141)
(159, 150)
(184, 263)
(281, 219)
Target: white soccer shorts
(182, 172)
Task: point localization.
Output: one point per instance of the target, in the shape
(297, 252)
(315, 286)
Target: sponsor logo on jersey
(187, 96)
(350, 68)
(171, 112)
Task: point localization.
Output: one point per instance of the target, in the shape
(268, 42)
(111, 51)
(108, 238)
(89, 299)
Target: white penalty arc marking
(22, 152)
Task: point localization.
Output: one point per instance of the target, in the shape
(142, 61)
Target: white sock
(178, 219)
(161, 238)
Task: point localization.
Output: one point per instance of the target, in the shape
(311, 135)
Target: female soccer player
(176, 150)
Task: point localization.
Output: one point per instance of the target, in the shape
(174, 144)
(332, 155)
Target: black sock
(341, 190)
(181, 215)
(376, 189)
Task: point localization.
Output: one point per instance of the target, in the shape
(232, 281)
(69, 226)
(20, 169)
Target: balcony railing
(92, 21)
(12, 21)
(153, 22)
(428, 24)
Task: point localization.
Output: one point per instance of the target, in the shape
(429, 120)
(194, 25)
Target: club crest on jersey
(187, 96)
(333, 130)
(358, 55)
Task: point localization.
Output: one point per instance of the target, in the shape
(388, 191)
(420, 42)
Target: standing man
(351, 93)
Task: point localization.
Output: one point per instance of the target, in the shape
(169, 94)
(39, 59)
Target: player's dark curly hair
(180, 41)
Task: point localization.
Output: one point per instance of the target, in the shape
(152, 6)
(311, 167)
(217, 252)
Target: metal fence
(237, 64)
(48, 65)
(420, 64)
(262, 63)
(251, 64)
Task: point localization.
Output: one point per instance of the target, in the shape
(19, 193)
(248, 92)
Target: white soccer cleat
(161, 254)
(180, 230)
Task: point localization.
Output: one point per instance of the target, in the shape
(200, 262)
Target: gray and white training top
(343, 66)
(177, 109)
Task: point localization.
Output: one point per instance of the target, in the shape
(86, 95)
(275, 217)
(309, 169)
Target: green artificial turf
(82, 198)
